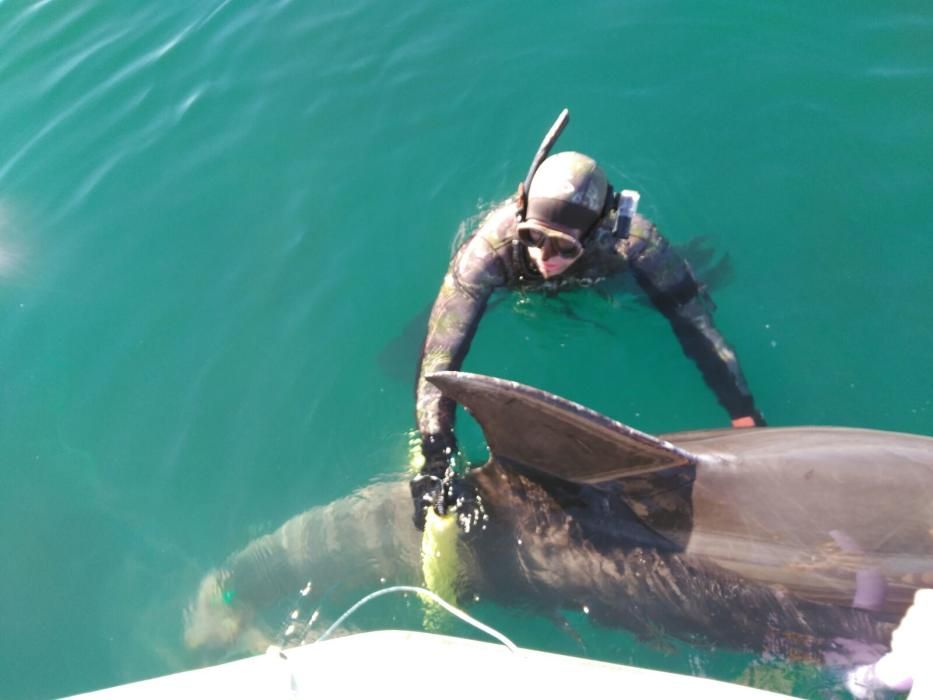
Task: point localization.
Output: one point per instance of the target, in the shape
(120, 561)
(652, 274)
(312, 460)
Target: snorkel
(543, 150)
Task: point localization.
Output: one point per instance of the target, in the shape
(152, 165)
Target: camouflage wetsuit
(494, 258)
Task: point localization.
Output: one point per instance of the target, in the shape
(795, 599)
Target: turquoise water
(220, 222)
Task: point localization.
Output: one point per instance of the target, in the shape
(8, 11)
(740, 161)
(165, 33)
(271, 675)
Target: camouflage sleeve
(474, 273)
(672, 288)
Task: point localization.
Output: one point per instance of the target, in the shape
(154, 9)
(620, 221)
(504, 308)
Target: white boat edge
(393, 662)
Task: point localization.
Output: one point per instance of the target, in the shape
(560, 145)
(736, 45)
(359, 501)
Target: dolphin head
(216, 620)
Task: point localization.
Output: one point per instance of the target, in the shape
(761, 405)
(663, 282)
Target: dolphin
(804, 542)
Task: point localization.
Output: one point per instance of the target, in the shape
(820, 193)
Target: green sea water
(221, 223)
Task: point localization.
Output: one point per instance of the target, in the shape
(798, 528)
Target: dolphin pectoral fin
(543, 432)
(563, 624)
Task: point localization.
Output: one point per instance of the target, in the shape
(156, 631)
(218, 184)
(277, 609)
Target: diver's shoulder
(485, 258)
(644, 229)
(498, 227)
(642, 237)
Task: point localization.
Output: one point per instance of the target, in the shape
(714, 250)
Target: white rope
(456, 612)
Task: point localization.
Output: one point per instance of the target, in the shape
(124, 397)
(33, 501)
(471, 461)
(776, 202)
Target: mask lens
(567, 249)
(532, 237)
(564, 246)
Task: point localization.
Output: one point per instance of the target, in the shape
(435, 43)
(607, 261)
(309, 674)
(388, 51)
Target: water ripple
(70, 65)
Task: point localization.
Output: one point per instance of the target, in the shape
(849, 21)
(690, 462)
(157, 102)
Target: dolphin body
(803, 542)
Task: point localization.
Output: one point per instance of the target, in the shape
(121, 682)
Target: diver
(564, 227)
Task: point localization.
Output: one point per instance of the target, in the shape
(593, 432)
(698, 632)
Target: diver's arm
(474, 273)
(672, 288)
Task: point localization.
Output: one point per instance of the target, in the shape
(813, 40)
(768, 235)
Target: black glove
(427, 491)
(462, 495)
(440, 488)
(444, 493)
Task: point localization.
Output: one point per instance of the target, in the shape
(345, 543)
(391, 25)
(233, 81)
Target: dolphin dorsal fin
(563, 439)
